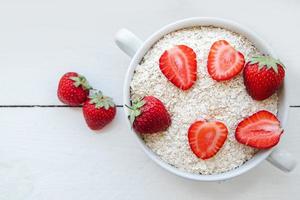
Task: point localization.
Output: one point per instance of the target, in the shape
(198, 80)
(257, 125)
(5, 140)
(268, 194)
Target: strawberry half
(179, 65)
(207, 138)
(261, 130)
(224, 62)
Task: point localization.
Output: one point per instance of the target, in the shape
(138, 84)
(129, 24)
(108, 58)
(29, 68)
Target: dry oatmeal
(225, 101)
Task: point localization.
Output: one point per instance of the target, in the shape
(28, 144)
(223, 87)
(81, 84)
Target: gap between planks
(67, 106)
(45, 106)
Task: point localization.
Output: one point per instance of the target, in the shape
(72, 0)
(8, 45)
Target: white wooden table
(47, 152)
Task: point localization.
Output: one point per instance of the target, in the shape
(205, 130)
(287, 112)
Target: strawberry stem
(129, 107)
(135, 109)
(81, 81)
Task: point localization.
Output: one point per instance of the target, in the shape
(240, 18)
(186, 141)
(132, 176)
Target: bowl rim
(148, 43)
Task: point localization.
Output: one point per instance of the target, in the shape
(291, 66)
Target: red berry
(98, 111)
(224, 62)
(179, 65)
(149, 115)
(207, 138)
(263, 76)
(73, 89)
(261, 130)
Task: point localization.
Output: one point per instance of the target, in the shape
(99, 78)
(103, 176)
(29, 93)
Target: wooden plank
(41, 41)
(58, 157)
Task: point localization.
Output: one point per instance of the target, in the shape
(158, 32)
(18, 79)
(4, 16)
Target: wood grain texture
(48, 153)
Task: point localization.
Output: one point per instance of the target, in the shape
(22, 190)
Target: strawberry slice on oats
(207, 138)
(224, 62)
(261, 130)
(179, 65)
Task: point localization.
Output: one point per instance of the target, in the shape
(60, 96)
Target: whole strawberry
(73, 89)
(263, 75)
(98, 111)
(149, 115)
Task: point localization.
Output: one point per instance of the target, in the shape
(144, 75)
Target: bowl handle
(128, 42)
(282, 159)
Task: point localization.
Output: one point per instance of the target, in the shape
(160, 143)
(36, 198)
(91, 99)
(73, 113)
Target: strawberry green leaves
(266, 61)
(135, 109)
(81, 81)
(101, 101)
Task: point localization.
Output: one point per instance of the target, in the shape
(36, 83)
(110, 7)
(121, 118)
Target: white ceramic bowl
(136, 49)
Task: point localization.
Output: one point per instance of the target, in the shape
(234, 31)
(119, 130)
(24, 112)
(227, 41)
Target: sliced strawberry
(206, 138)
(224, 62)
(179, 65)
(261, 130)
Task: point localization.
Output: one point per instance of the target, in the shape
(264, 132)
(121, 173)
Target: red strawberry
(261, 130)
(73, 89)
(263, 75)
(149, 115)
(98, 111)
(179, 65)
(224, 62)
(207, 137)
